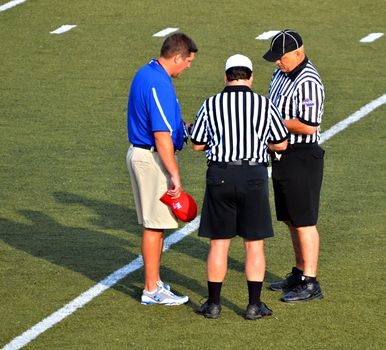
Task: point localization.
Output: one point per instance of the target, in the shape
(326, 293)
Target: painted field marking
(64, 28)
(111, 280)
(371, 37)
(267, 35)
(165, 32)
(93, 292)
(365, 110)
(11, 4)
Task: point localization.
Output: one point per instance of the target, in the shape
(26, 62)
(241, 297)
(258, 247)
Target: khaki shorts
(150, 181)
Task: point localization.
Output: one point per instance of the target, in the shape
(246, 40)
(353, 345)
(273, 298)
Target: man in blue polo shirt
(156, 131)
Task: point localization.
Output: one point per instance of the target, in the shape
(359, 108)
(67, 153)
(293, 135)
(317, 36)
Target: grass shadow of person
(108, 215)
(89, 252)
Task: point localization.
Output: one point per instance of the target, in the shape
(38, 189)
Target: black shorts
(297, 180)
(236, 203)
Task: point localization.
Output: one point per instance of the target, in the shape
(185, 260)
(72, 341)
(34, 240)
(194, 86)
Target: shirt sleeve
(310, 98)
(278, 132)
(199, 131)
(162, 108)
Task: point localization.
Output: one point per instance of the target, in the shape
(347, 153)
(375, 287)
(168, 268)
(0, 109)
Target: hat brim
(271, 56)
(166, 199)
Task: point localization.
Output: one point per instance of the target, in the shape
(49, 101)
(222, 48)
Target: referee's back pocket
(255, 184)
(214, 181)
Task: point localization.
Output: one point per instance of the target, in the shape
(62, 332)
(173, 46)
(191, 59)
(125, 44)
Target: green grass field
(67, 216)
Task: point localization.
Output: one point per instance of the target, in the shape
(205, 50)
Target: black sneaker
(288, 283)
(307, 290)
(209, 310)
(255, 312)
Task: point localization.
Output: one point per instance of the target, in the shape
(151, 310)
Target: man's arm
(310, 97)
(297, 127)
(282, 146)
(165, 149)
(199, 147)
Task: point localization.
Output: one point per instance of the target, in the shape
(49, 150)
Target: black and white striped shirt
(237, 124)
(299, 94)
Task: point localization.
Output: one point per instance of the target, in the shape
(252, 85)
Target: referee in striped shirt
(297, 91)
(235, 128)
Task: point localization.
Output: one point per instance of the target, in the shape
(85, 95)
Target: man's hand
(176, 189)
(277, 147)
(188, 127)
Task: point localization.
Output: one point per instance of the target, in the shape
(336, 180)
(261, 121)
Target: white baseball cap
(238, 61)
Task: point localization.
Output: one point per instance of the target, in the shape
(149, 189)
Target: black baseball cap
(285, 41)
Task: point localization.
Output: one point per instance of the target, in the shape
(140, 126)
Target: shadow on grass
(91, 253)
(97, 254)
(108, 215)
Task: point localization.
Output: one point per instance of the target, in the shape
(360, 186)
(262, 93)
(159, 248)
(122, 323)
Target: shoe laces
(300, 287)
(163, 290)
(161, 283)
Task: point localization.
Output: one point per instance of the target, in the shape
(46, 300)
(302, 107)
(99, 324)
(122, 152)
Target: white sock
(152, 292)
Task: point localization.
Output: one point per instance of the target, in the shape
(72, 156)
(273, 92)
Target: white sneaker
(162, 296)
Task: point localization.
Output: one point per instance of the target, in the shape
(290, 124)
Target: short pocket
(318, 153)
(214, 181)
(254, 184)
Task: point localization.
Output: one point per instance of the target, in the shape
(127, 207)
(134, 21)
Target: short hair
(178, 43)
(236, 73)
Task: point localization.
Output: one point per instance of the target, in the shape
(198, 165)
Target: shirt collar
(155, 65)
(296, 71)
(236, 88)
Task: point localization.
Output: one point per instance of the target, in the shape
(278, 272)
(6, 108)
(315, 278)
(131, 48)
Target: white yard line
(11, 4)
(136, 264)
(371, 37)
(64, 28)
(93, 292)
(365, 110)
(267, 35)
(165, 32)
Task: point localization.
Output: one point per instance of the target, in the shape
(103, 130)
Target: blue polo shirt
(153, 106)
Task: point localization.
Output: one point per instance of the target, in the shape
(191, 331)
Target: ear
(251, 80)
(178, 58)
(225, 79)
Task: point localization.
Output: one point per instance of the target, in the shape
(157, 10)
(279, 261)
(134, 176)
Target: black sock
(214, 290)
(254, 292)
(296, 271)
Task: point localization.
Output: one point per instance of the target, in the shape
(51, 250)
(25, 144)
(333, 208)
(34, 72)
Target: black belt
(150, 148)
(295, 146)
(235, 163)
(302, 145)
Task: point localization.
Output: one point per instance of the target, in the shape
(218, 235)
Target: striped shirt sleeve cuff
(197, 142)
(308, 122)
(279, 141)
